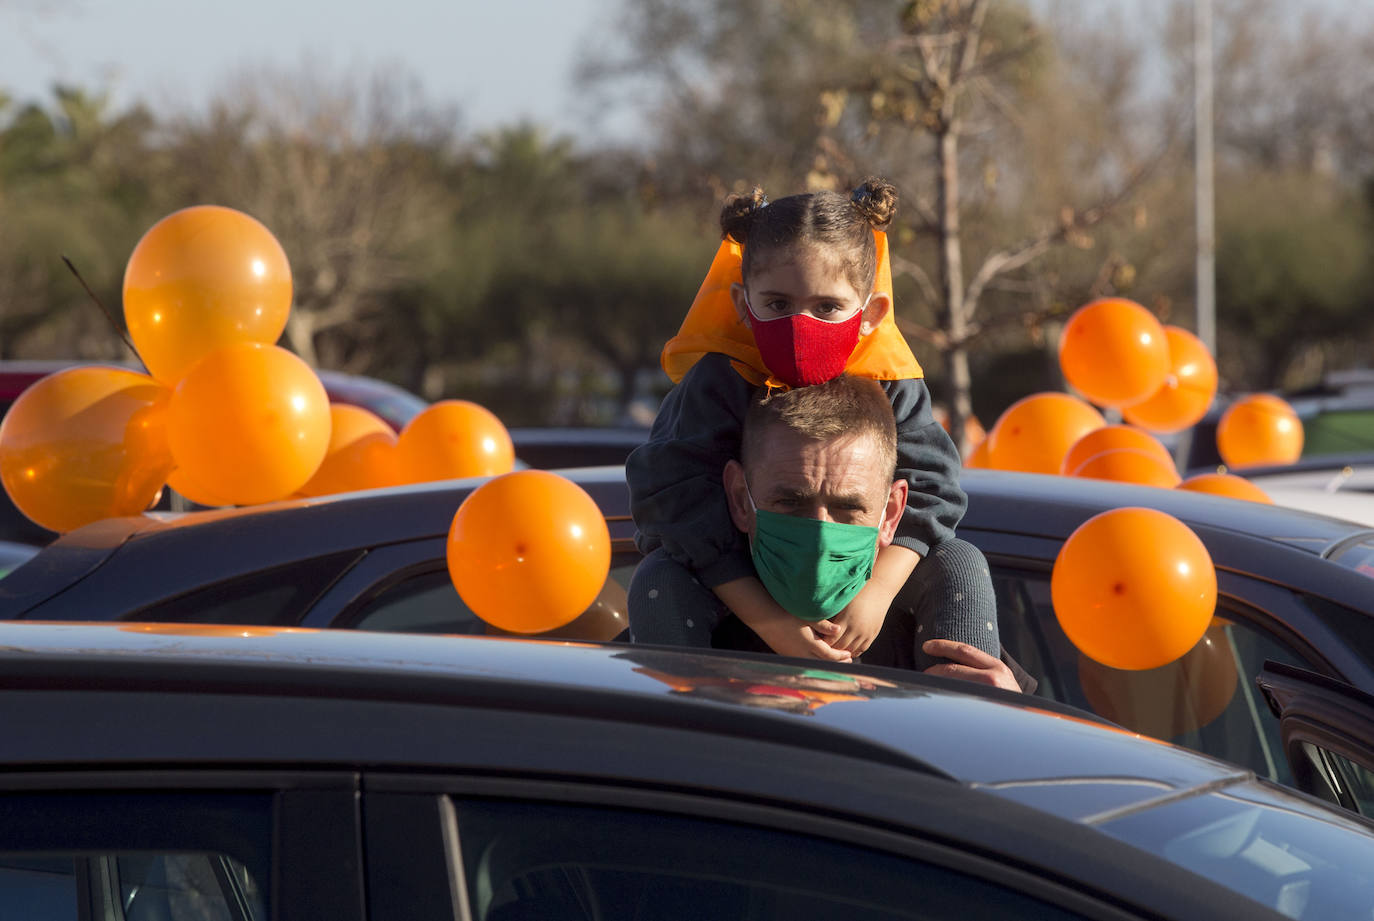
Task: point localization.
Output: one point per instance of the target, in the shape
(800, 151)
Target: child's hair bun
(739, 212)
(876, 200)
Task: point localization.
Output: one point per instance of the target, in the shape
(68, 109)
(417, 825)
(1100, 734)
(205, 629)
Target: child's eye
(828, 310)
(777, 305)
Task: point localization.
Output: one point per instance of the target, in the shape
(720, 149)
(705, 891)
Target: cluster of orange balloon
(1117, 354)
(224, 416)
(1134, 589)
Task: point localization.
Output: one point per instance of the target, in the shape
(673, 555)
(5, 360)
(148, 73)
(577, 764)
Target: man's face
(842, 480)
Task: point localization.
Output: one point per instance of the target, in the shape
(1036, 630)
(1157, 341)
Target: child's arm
(786, 635)
(930, 463)
(677, 497)
(863, 617)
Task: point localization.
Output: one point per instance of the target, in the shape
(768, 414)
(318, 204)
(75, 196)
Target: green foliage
(1293, 268)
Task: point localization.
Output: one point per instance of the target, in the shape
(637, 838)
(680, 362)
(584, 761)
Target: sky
(498, 62)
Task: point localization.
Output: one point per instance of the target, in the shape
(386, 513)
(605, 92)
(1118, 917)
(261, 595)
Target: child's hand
(862, 619)
(796, 637)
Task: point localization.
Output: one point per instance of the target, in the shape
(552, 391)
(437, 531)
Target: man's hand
(969, 663)
(796, 637)
(862, 619)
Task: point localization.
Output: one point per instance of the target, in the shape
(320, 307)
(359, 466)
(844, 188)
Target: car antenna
(105, 310)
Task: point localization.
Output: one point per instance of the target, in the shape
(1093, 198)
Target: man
(815, 489)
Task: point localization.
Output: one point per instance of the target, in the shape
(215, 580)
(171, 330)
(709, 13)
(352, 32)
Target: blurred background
(514, 203)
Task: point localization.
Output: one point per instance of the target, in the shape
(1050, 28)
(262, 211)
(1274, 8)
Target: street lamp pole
(1203, 195)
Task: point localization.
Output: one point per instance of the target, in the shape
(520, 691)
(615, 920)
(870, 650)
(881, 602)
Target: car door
(1327, 728)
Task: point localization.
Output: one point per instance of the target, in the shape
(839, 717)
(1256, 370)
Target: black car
(1337, 417)
(1293, 588)
(157, 772)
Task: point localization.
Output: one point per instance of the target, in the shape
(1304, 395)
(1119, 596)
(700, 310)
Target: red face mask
(800, 350)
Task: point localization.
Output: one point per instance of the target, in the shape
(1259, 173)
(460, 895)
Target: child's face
(805, 282)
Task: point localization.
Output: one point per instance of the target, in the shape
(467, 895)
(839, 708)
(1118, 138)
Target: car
(1337, 417)
(1292, 587)
(1340, 485)
(171, 771)
(555, 447)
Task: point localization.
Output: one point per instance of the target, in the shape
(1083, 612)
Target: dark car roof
(181, 551)
(1017, 786)
(914, 721)
(1053, 506)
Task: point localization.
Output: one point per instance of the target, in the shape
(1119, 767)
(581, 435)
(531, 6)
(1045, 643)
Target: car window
(135, 886)
(1262, 843)
(1357, 555)
(1344, 781)
(425, 601)
(568, 863)
(77, 856)
(1205, 701)
(279, 596)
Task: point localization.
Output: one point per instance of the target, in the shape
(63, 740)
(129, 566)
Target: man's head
(827, 451)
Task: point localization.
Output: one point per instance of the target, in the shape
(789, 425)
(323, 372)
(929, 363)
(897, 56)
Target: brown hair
(825, 219)
(844, 405)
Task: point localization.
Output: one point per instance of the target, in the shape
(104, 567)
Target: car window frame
(916, 835)
(314, 827)
(1326, 713)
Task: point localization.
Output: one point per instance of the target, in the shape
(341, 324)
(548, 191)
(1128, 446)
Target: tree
(348, 176)
(923, 92)
(75, 180)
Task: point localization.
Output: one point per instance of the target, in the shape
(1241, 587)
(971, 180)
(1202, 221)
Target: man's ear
(740, 297)
(737, 496)
(892, 512)
(879, 305)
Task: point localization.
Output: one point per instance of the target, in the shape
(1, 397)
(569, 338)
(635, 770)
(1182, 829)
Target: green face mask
(812, 568)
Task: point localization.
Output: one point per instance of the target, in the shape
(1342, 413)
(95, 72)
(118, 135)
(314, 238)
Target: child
(802, 307)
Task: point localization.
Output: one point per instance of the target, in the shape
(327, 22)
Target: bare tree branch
(1017, 255)
(903, 266)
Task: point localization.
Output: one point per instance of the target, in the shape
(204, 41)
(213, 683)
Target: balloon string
(105, 310)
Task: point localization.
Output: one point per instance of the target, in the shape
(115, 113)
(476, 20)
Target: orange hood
(713, 325)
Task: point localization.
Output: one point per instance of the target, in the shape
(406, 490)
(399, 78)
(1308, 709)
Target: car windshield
(1275, 846)
(1357, 555)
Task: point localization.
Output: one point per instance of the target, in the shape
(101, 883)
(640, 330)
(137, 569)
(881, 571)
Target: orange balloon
(1226, 484)
(1133, 588)
(1114, 352)
(1166, 702)
(1035, 432)
(85, 443)
(1126, 465)
(361, 455)
(528, 551)
(198, 494)
(981, 456)
(454, 438)
(249, 423)
(1111, 438)
(199, 279)
(1259, 429)
(1188, 388)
